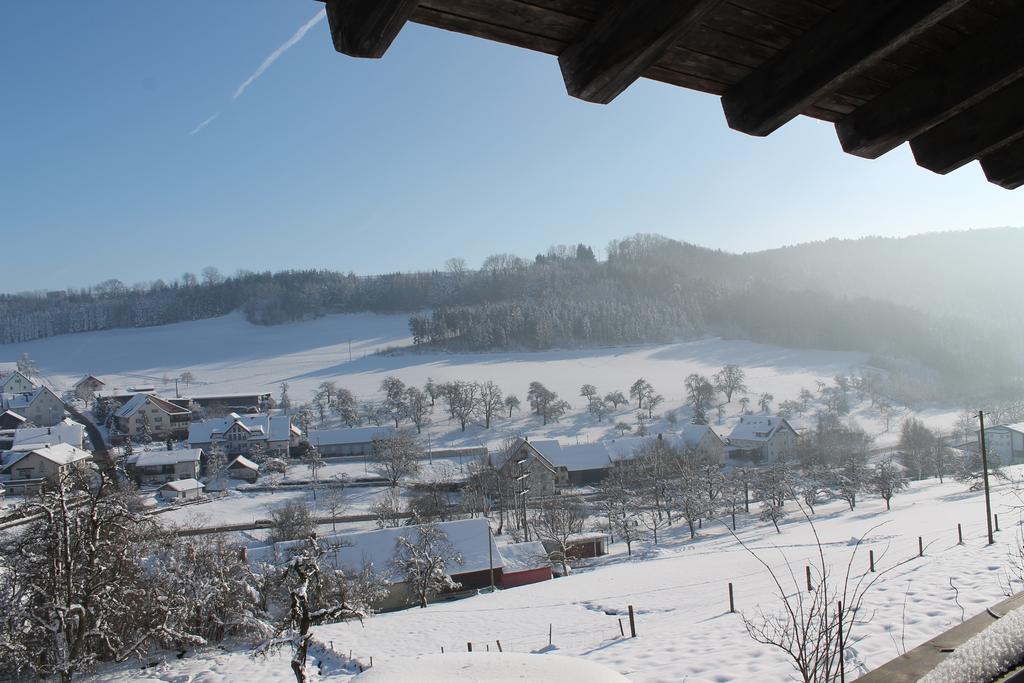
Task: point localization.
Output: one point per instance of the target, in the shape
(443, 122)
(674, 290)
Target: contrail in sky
(274, 56)
(204, 124)
(296, 37)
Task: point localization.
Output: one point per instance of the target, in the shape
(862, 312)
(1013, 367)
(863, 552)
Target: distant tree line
(649, 289)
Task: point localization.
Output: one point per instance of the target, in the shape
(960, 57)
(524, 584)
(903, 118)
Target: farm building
(239, 434)
(158, 467)
(181, 489)
(243, 468)
(348, 441)
(524, 563)
(471, 538)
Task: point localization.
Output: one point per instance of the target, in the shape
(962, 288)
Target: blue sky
(448, 146)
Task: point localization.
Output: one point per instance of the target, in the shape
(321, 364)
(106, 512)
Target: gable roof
(165, 457)
(759, 427)
(27, 399)
(242, 461)
(521, 557)
(183, 485)
(470, 537)
(1015, 427)
(272, 427)
(88, 378)
(59, 454)
(8, 376)
(65, 431)
(139, 400)
(348, 435)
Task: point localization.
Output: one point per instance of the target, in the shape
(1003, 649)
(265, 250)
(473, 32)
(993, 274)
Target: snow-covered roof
(521, 557)
(139, 400)
(575, 457)
(279, 427)
(89, 378)
(64, 431)
(758, 427)
(347, 436)
(17, 416)
(1015, 427)
(165, 457)
(242, 461)
(470, 537)
(183, 485)
(59, 454)
(24, 400)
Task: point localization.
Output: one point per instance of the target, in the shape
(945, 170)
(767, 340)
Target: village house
(1004, 441)
(66, 431)
(152, 414)
(181, 489)
(16, 382)
(158, 467)
(471, 538)
(348, 441)
(40, 406)
(239, 434)
(243, 468)
(11, 420)
(87, 387)
(45, 462)
(219, 405)
(761, 437)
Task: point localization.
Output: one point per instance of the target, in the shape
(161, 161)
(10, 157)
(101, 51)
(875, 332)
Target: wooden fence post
(621, 631)
(920, 547)
(842, 663)
(549, 634)
(632, 623)
(997, 522)
(499, 645)
(871, 559)
(959, 534)
(807, 570)
(469, 647)
(732, 604)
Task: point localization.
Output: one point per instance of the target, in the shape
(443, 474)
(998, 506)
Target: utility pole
(984, 470)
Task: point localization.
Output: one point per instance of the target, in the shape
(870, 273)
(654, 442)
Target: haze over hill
(938, 304)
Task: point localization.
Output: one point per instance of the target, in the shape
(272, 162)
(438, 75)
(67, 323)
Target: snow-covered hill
(228, 354)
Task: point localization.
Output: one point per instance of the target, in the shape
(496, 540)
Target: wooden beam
(366, 28)
(1005, 166)
(623, 42)
(983, 128)
(987, 62)
(856, 35)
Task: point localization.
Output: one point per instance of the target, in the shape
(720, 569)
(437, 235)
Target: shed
(243, 468)
(524, 563)
(182, 489)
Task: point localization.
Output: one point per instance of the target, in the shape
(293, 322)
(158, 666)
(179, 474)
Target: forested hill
(648, 289)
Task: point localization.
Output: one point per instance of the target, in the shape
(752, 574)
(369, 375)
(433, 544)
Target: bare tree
(512, 403)
(598, 408)
(700, 393)
(640, 390)
(588, 391)
(888, 480)
(623, 427)
(555, 522)
(389, 509)
(291, 521)
(490, 403)
(554, 410)
(334, 500)
(396, 457)
(422, 558)
(417, 408)
(314, 462)
(764, 402)
(618, 494)
(616, 399)
(729, 380)
(394, 398)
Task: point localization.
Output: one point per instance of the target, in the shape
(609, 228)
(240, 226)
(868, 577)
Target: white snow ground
(228, 354)
(679, 591)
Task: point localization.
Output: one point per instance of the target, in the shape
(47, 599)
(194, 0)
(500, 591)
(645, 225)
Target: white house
(243, 468)
(45, 462)
(181, 489)
(1005, 441)
(16, 382)
(158, 467)
(87, 387)
(66, 431)
(237, 434)
(354, 441)
(148, 411)
(40, 405)
(764, 437)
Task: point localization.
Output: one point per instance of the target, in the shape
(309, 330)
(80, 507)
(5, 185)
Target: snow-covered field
(228, 354)
(679, 590)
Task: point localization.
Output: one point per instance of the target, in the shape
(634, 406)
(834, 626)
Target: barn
(524, 563)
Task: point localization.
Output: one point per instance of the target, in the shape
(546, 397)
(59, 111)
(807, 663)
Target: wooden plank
(480, 29)
(992, 123)
(623, 42)
(858, 34)
(981, 66)
(519, 16)
(366, 28)
(1005, 166)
